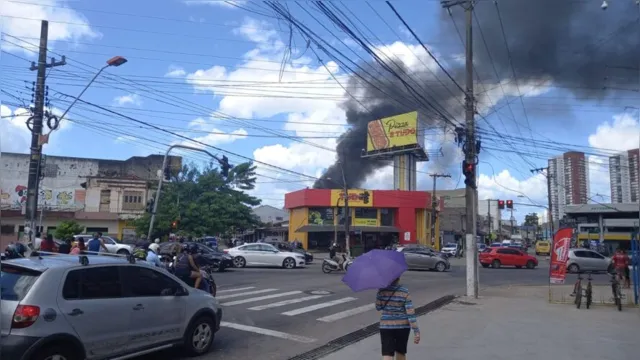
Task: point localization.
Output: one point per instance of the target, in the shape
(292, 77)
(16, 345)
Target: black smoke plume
(589, 53)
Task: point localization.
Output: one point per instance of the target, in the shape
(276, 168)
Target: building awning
(333, 228)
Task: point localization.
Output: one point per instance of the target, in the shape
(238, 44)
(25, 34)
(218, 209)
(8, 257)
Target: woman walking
(397, 320)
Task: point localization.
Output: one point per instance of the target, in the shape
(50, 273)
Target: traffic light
(509, 204)
(501, 204)
(150, 205)
(175, 224)
(224, 166)
(469, 171)
(167, 173)
(365, 197)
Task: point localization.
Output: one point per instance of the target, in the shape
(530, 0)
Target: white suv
(111, 244)
(99, 307)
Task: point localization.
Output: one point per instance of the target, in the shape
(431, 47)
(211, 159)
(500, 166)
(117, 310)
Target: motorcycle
(329, 265)
(207, 284)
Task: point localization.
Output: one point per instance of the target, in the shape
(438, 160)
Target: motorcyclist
(15, 251)
(186, 267)
(333, 254)
(152, 255)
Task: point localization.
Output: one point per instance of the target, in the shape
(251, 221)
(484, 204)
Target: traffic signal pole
(161, 180)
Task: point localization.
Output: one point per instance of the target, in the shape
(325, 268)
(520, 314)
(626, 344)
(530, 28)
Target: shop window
(387, 217)
(321, 216)
(7, 229)
(366, 213)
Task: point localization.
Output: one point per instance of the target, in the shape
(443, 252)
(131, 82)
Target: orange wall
(298, 218)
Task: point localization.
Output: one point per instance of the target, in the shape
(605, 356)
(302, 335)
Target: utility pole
(346, 208)
(36, 128)
(512, 230)
(550, 212)
(471, 159)
(434, 206)
(489, 215)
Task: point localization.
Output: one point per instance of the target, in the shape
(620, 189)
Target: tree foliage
(531, 220)
(204, 202)
(67, 229)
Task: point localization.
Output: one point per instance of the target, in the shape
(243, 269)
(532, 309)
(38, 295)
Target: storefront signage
(357, 198)
(365, 222)
(395, 131)
(321, 216)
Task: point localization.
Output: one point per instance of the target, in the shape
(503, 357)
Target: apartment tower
(569, 181)
(623, 173)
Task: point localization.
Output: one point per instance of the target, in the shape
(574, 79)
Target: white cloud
(175, 71)
(221, 3)
(125, 139)
(13, 127)
(211, 135)
(65, 24)
(130, 99)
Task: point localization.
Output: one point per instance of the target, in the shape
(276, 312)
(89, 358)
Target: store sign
(395, 131)
(357, 198)
(365, 222)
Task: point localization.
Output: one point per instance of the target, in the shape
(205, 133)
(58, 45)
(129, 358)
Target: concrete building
(569, 181)
(102, 195)
(623, 174)
(271, 215)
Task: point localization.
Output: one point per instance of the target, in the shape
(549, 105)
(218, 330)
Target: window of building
(387, 217)
(132, 200)
(366, 213)
(280, 218)
(7, 229)
(105, 200)
(321, 216)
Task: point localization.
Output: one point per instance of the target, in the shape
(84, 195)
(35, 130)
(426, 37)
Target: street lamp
(114, 61)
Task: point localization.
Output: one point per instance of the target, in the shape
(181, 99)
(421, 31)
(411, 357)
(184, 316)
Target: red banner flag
(560, 255)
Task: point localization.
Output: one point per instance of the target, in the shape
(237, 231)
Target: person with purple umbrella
(397, 320)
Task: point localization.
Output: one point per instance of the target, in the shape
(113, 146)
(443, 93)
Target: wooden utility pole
(434, 206)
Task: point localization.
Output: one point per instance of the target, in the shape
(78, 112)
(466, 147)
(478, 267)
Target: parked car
(543, 248)
(261, 254)
(495, 245)
(505, 256)
(587, 260)
(88, 307)
(286, 246)
(111, 244)
(427, 249)
(481, 247)
(424, 259)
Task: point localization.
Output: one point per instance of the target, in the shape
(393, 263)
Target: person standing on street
(48, 245)
(397, 320)
(621, 266)
(37, 242)
(95, 244)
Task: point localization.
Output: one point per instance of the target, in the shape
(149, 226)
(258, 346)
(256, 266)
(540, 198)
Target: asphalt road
(278, 313)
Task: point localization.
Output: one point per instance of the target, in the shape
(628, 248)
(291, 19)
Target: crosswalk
(292, 303)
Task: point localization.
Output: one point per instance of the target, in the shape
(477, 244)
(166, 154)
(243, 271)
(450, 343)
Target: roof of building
(94, 159)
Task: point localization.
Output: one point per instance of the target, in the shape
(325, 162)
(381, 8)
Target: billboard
(399, 131)
(357, 198)
(560, 255)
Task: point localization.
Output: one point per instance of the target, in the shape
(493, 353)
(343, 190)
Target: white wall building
(623, 175)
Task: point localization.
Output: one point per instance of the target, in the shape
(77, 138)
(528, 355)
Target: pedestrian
(48, 245)
(96, 244)
(621, 266)
(37, 241)
(79, 248)
(397, 320)
(65, 247)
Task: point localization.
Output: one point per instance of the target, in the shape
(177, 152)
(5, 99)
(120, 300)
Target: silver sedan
(419, 258)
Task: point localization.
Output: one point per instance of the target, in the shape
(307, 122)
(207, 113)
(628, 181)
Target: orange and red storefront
(377, 217)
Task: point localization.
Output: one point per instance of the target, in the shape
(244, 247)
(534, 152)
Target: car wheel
(220, 267)
(123, 252)
(56, 352)
(239, 262)
(518, 267)
(440, 266)
(531, 264)
(573, 268)
(289, 263)
(485, 265)
(199, 337)
(495, 264)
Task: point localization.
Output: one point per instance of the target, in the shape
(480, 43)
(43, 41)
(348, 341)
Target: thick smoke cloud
(588, 52)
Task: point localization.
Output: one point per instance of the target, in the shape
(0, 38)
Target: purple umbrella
(375, 269)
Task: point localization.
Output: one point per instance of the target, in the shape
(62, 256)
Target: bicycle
(578, 293)
(616, 290)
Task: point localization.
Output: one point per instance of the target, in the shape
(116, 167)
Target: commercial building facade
(377, 217)
(569, 174)
(623, 175)
(101, 195)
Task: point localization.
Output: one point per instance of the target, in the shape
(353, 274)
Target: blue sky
(188, 61)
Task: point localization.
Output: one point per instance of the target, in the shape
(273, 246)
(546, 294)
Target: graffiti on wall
(17, 196)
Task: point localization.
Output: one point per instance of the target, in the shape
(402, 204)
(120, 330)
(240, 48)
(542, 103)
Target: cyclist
(621, 266)
(186, 267)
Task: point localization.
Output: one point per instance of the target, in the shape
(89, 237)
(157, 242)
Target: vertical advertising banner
(560, 255)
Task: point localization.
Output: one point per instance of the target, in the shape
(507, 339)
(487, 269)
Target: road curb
(361, 334)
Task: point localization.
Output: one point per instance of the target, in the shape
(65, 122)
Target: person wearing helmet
(14, 251)
(152, 255)
(186, 266)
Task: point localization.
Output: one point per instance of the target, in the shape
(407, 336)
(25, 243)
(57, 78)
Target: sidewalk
(516, 323)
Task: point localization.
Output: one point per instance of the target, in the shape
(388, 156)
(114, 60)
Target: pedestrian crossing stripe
(260, 298)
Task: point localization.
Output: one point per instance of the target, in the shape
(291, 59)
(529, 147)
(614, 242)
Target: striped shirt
(398, 313)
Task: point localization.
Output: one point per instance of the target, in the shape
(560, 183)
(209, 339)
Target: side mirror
(180, 292)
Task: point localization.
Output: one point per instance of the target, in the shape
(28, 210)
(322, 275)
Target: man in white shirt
(37, 241)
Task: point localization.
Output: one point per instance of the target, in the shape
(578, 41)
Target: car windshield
(450, 245)
(207, 249)
(15, 282)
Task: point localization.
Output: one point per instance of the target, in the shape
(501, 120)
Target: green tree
(204, 202)
(67, 229)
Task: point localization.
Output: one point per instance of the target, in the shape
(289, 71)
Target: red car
(496, 257)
